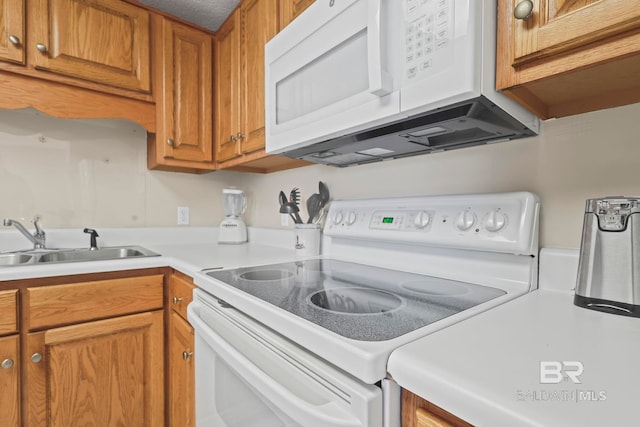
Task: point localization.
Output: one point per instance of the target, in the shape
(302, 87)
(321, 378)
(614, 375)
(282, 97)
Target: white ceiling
(205, 13)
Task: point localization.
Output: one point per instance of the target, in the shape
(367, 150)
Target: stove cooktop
(357, 301)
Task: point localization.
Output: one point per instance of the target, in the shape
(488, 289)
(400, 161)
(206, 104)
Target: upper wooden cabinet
(12, 31)
(94, 59)
(239, 103)
(102, 41)
(570, 56)
(226, 107)
(239, 107)
(290, 9)
(184, 101)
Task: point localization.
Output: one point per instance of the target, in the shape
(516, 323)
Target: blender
(232, 228)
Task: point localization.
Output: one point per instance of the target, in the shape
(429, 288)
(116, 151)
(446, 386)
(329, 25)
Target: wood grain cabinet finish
(93, 350)
(227, 89)
(417, 412)
(8, 312)
(63, 304)
(570, 56)
(103, 41)
(9, 360)
(291, 9)
(184, 99)
(239, 101)
(12, 31)
(181, 371)
(107, 372)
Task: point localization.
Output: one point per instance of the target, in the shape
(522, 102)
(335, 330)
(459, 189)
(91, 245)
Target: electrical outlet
(183, 215)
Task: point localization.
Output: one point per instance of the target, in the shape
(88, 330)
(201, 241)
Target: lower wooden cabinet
(181, 393)
(417, 412)
(10, 381)
(83, 350)
(107, 372)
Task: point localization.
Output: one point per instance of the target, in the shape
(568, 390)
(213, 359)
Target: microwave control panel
(428, 37)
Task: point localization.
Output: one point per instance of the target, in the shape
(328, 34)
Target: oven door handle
(285, 397)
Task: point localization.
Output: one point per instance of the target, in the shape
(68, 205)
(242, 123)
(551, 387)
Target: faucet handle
(35, 222)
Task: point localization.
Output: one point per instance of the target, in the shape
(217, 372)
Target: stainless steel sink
(51, 256)
(14, 259)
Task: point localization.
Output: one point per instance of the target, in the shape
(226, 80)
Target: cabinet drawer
(8, 310)
(78, 302)
(180, 293)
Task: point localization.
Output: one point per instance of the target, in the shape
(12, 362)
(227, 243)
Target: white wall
(590, 155)
(93, 173)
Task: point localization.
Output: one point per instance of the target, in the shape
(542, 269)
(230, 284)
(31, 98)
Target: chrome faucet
(38, 238)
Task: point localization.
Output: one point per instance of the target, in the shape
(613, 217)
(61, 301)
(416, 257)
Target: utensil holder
(306, 240)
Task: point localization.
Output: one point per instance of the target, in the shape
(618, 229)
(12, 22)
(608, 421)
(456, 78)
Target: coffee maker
(232, 228)
(609, 266)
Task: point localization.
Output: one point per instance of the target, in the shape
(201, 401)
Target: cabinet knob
(14, 40)
(42, 48)
(170, 142)
(36, 357)
(523, 10)
(232, 138)
(7, 364)
(176, 300)
(186, 355)
(240, 136)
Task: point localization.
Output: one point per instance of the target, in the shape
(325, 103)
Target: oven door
(331, 71)
(248, 375)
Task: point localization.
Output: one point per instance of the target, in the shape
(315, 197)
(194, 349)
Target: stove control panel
(499, 222)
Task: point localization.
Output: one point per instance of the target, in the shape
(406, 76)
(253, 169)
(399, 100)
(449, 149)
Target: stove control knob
(465, 220)
(422, 219)
(338, 217)
(351, 218)
(495, 221)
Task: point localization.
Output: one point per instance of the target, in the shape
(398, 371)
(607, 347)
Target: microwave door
(332, 71)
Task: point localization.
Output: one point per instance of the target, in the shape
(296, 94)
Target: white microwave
(357, 81)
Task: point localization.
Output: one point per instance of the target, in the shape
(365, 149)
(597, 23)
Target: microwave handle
(380, 81)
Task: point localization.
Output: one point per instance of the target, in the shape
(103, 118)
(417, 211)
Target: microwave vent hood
(472, 122)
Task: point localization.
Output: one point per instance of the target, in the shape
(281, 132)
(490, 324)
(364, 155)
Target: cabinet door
(186, 93)
(12, 30)
(227, 86)
(181, 373)
(108, 372)
(9, 381)
(290, 9)
(560, 26)
(103, 41)
(259, 20)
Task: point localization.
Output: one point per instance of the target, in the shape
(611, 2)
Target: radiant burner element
(356, 300)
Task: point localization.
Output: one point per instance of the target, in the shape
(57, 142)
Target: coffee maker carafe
(609, 266)
(232, 228)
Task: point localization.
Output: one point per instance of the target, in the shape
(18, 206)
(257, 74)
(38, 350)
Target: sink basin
(73, 255)
(14, 259)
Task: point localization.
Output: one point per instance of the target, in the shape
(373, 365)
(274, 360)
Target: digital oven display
(387, 220)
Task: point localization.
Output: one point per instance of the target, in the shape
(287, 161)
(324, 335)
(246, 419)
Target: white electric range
(306, 342)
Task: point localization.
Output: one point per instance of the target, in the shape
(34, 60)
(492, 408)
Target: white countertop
(487, 369)
(186, 249)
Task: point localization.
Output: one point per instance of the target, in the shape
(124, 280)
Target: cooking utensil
(294, 198)
(284, 205)
(314, 204)
(324, 192)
